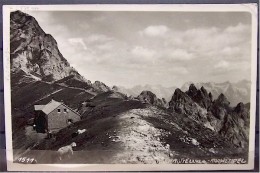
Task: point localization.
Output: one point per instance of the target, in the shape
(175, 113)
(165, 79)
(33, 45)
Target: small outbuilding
(54, 116)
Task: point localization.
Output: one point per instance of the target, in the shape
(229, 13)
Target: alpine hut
(53, 116)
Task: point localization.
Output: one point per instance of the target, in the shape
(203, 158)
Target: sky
(155, 48)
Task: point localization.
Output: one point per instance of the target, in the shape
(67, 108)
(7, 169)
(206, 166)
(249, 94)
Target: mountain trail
(140, 140)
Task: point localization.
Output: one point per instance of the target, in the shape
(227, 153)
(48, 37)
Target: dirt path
(140, 140)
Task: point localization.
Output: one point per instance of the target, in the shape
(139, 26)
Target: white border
(251, 8)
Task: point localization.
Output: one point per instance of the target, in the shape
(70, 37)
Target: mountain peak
(192, 87)
(240, 107)
(34, 51)
(180, 96)
(222, 100)
(182, 103)
(177, 94)
(148, 93)
(192, 90)
(15, 15)
(203, 90)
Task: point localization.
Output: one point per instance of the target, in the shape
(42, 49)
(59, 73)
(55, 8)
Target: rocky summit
(201, 96)
(35, 52)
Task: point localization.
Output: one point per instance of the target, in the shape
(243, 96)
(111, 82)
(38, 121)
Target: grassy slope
(27, 92)
(100, 124)
(108, 117)
(127, 118)
(73, 82)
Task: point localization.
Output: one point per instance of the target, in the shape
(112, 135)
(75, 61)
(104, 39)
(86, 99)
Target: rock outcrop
(236, 126)
(235, 92)
(217, 115)
(182, 103)
(100, 86)
(35, 52)
(201, 96)
(220, 107)
(151, 98)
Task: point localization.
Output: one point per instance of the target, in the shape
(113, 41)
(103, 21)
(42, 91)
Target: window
(69, 121)
(58, 110)
(65, 110)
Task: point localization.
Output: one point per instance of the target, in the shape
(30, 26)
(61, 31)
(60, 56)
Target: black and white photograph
(133, 86)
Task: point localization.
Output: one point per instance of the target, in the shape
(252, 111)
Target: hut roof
(48, 108)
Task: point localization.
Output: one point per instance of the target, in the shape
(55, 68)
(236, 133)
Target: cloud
(105, 41)
(239, 28)
(236, 70)
(180, 54)
(105, 46)
(155, 30)
(179, 70)
(140, 51)
(200, 32)
(97, 38)
(222, 65)
(77, 41)
(227, 51)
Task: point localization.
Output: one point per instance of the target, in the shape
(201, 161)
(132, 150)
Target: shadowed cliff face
(34, 51)
(217, 115)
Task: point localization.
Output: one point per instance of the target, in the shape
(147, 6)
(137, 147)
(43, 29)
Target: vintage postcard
(130, 87)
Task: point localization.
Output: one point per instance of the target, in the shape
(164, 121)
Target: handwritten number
(26, 160)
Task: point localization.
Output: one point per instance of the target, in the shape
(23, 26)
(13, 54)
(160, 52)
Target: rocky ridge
(235, 92)
(100, 86)
(217, 115)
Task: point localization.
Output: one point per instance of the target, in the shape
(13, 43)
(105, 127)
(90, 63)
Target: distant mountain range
(196, 121)
(159, 90)
(235, 92)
